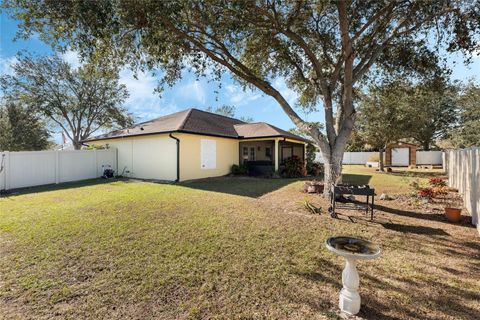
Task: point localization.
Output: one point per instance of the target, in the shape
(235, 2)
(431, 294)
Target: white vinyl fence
(463, 168)
(350, 157)
(429, 157)
(34, 168)
(423, 157)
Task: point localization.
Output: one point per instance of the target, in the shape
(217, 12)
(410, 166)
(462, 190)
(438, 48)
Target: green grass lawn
(218, 249)
(396, 182)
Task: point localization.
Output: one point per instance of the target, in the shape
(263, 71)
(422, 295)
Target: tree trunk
(380, 160)
(426, 146)
(332, 170)
(77, 145)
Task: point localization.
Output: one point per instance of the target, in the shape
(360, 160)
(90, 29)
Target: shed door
(400, 157)
(208, 154)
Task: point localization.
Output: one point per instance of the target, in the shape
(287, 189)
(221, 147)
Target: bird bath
(351, 249)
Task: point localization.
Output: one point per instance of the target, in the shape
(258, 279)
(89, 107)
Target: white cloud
(72, 58)
(143, 102)
(289, 95)
(237, 96)
(6, 64)
(194, 90)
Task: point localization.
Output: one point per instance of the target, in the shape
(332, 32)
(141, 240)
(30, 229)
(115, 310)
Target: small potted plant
(453, 210)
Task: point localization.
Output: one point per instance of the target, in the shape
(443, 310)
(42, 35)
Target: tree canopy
(422, 112)
(467, 131)
(383, 115)
(79, 101)
(433, 111)
(225, 110)
(21, 129)
(228, 111)
(321, 49)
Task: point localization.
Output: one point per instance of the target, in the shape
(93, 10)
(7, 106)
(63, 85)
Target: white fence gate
(463, 167)
(34, 168)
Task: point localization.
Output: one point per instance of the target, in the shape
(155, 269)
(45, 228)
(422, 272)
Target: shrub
(415, 185)
(316, 169)
(374, 158)
(437, 182)
(442, 190)
(293, 168)
(96, 147)
(239, 170)
(426, 193)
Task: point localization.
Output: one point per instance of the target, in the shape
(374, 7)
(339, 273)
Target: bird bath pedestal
(351, 249)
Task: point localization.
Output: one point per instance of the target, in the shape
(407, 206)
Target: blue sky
(145, 104)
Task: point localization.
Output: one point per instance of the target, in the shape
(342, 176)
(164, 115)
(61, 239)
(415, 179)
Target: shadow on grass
(60, 186)
(359, 179)
(416, 174)
(241, 186)
(415, 229)
(424, 216)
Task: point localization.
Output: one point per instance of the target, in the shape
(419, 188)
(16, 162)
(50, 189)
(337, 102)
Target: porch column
(277, 154)
(305, 154)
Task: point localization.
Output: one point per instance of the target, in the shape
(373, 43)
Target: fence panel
(429, 157)
(26, 169)
(3, 156)
(34, 168)
(423, 157)
(463, 167)
(77, 165)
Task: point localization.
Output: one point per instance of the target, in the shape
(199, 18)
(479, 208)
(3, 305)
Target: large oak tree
(321, 49)
(80, 101)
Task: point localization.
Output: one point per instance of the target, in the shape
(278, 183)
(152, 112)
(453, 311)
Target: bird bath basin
(351, 249)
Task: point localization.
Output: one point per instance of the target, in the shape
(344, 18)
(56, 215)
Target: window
(268, 152)
(245, 152)
(252, 154)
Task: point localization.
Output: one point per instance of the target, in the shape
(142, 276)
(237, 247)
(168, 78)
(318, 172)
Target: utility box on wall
(401, 154)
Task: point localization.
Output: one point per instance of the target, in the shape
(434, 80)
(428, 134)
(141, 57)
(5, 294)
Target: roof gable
(202, 122)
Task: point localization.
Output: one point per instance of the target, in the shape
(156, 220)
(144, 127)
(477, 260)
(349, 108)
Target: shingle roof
(262, 129)
(200, 122)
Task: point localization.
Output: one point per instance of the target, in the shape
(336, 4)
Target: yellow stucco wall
(155, 156)
(190, 156)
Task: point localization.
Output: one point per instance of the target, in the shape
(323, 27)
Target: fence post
(7, 170)
(57, 167)
(444, 161)
(116, 161)
(473, 187)
(96, 162)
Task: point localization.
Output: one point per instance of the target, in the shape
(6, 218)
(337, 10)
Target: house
(193, 144)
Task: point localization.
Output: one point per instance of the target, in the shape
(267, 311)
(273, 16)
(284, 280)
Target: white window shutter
(208, 154)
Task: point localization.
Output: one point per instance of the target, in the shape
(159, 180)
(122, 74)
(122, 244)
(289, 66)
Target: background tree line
(432, 114)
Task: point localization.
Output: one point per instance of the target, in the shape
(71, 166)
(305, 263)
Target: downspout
(178, 156)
